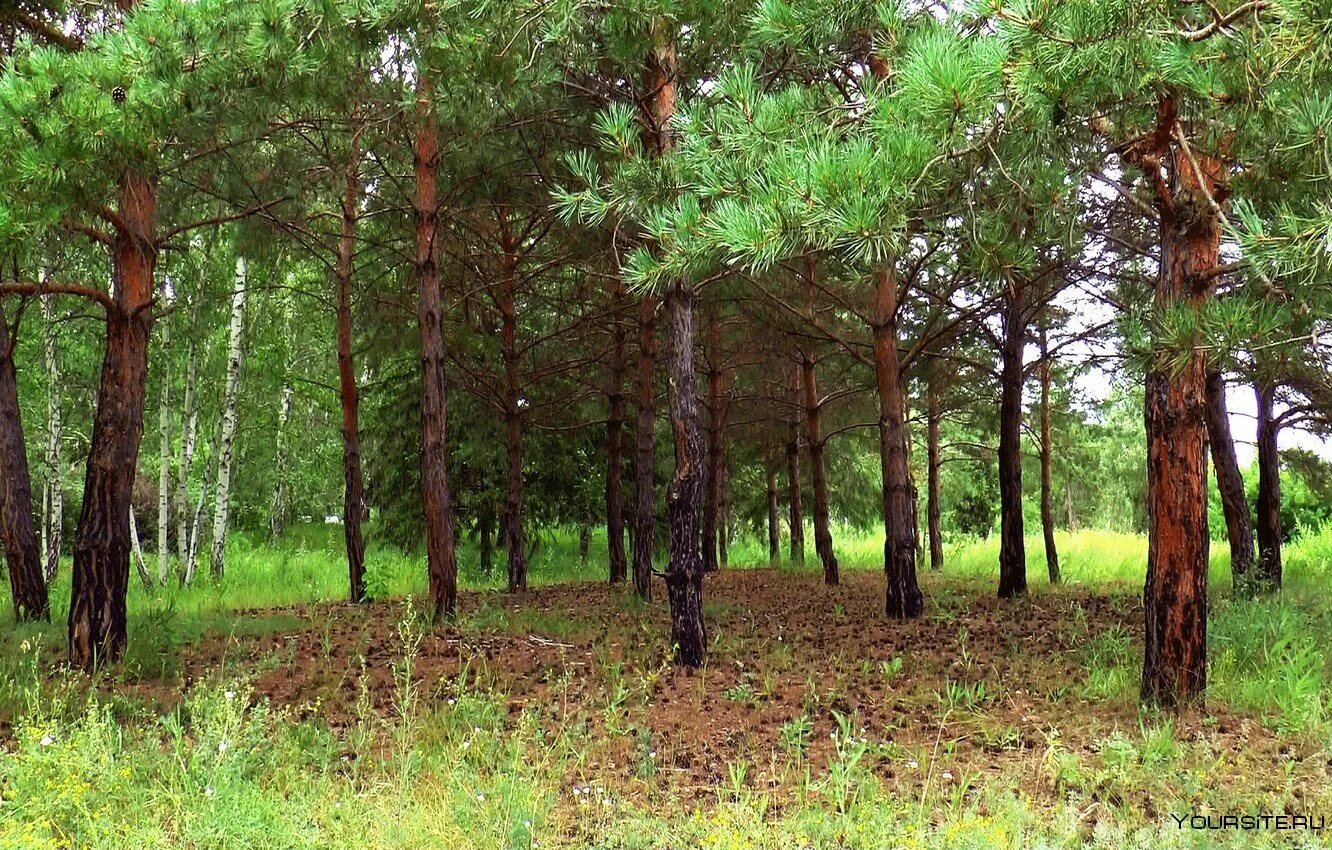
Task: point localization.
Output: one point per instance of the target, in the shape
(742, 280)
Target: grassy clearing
(456, 762)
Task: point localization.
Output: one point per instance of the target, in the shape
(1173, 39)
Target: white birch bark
(228, 434)
(277, 517)
(189, 433)
(195, 533)
(53, 495)
(138, 552)
(164, 467)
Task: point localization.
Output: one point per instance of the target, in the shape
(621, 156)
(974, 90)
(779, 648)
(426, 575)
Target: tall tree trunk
(485, 532)
(726, 518)
(1269, 492)
(903, 599)
(712, 482)
(227, 441)
(514, 539)
(1047, 463)
(646, 449)
(774, 522)
(793, 489)
(353, 493)
(278, 514)
(53, 519)
(1012, 546)
(191, 566)
(818, 472)
(137, 549)
(684, 496)
(684, 572)
(1175, 592)
(823, 544)
(619, 567)
(933, 416)
(164, 463)
(441, 559)
(189, 435)
(97, 626)
(1230, 484)
(27, 584)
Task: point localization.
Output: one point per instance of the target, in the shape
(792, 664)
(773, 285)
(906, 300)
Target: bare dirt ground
(985, 690)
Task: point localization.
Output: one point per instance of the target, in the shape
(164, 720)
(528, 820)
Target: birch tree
(227, 434)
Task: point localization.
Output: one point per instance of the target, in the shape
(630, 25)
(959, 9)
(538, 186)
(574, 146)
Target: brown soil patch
(782, 645)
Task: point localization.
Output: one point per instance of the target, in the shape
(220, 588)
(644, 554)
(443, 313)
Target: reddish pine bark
(1268, 577)
(1229, 483)
(774, 522)
(353, 502)
(645, 453)
(441, 559)
(684, 496)
(27, 584)
(1012, 547)
(904, 599)
(619, 567)
(97, 626)
(1175, 592)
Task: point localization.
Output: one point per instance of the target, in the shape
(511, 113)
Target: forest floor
(978, 690)
(554, 718)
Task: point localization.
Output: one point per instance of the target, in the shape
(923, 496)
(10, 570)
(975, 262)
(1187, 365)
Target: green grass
(103, 769)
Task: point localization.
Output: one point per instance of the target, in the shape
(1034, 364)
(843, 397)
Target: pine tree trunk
(97, 625)
(53, 501)
(823, 544)
(353, 493)
(684, 495)
(441, 559)
(684, 572)
(189, 434)
(485, 531)
(226, 448)
(646, 449)
(774, 522)
(726, 523)
(164, 463)
(514, 538)
(712, 482)
(1012, 546)
(1175, 592)
(1230, 484)
(1047, 464)
(932, 479)
(1269, 492)
(619, 567)
(27, 583)
(794, 495)
(903, 599)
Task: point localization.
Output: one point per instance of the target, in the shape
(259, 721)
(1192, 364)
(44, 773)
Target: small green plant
(845, 774)
(892, 668)
(794, 736)
(968, 696)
